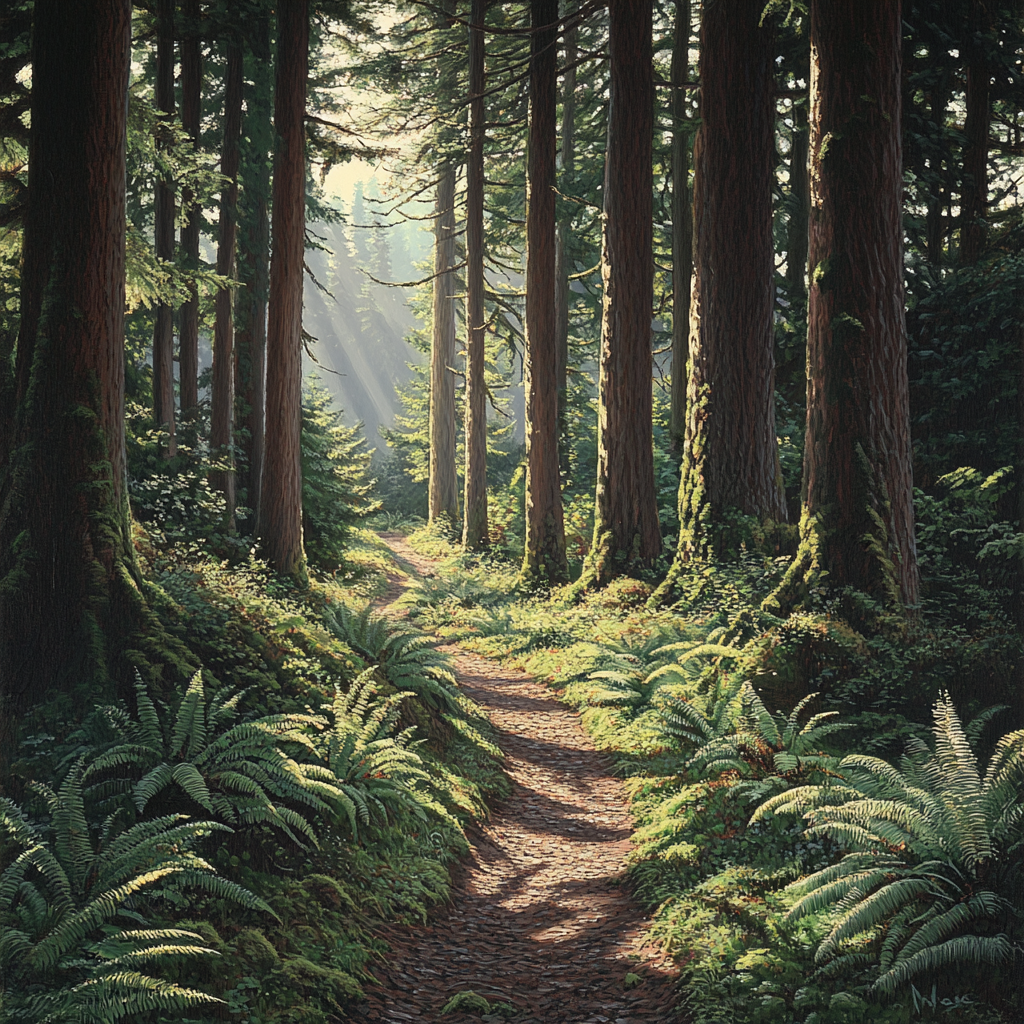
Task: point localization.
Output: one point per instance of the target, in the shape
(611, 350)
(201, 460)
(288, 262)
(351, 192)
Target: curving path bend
(539, 917)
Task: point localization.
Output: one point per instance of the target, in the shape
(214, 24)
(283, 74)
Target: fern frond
(871, 909)
(149, 721)
(955, 953)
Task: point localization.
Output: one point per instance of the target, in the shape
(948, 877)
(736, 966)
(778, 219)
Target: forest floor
(540, 917)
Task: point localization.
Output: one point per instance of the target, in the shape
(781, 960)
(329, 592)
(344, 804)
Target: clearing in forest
(539, 918)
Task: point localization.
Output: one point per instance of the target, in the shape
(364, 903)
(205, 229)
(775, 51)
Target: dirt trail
(539, 918)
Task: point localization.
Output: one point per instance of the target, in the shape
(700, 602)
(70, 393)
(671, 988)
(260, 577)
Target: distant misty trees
(361, 326)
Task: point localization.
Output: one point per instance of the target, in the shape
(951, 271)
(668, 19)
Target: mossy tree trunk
(188, 315)
(544, 558)
(163, 231)
(682, 226)
(222, 396)
(563, 235)
(254, 262)
(857, 527)
(474, 505)
(627, 535)
(443, 484)
(279, 522)
(69, 589)
(731, 482)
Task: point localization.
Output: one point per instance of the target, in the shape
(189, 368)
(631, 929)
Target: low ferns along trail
(539, 924)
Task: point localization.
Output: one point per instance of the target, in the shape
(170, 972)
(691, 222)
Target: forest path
(539, 917)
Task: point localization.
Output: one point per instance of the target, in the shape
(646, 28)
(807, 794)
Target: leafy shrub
(173, 496)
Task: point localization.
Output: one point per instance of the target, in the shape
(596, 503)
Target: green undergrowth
(313, 776)
(713, 708)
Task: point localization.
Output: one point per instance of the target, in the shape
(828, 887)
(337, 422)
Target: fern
(367, 769)
(403, 654)
(237, 771)
(935, 852)
(62, 956)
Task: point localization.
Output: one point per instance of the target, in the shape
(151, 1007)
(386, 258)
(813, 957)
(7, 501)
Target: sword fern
(934, 855)
(65, 954)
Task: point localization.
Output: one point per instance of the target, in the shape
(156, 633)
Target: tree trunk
(544, 559)
(858, 518)
(280, 511)
(563, 233)
(443, 487)
(65, 531)
(474, 529)
(188, 315)
(974, 197)
(799, 208)
(222, 404)
(254, 263)
(682, 226)
(731, 482)
(627, 536)
(163, 230)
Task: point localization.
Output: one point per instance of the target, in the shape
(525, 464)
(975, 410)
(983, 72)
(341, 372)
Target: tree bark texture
(188, 315)
(443, 485)
(797, 226)
(858, 518)
(682, 226)
(974, 197)
(563, 234)
(627, 535)
(222, 403)
(163, 231)
(254, 263)
(730, 468)
(544, 558)
(474, 504)
(65, 534)
(279, 522)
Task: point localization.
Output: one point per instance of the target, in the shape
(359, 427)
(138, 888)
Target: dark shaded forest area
(712, 431)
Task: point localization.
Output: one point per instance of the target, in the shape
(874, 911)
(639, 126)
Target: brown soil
(540, 917)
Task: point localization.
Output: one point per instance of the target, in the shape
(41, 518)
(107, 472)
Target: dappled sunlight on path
(539, 917)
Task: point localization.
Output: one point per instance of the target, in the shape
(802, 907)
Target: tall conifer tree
(254, 259)
(858, 518)
(191, 109)
(682, 225)
(475, 530)
(222, 399)
(627, 535)
(544, 556)
(163, 230)
(443, 481)
(563, 230)
(279, 523)
(67, 575)
(730, 469)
